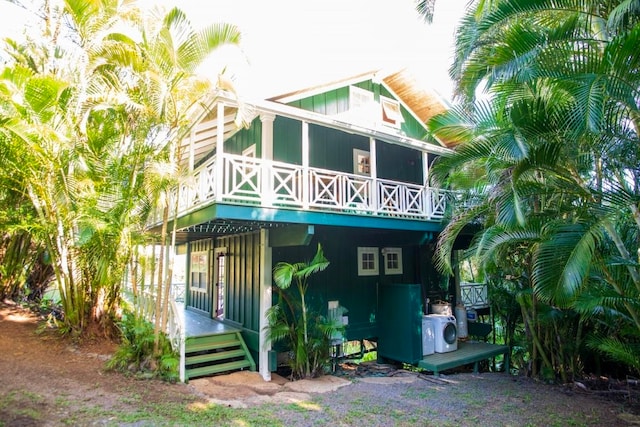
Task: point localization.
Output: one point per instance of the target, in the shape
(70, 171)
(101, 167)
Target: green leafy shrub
(135, 354)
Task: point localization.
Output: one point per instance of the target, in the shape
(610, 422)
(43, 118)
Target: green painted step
(212, 357)
(214, 354)
(217, 368)
(191, 347)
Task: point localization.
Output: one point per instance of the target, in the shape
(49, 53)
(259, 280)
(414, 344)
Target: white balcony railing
(474, 295)
(266, 183)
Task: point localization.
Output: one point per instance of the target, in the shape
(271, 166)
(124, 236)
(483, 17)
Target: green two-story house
(344, 165)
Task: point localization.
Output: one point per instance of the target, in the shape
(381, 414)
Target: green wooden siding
(328, 103)
(287, 140)
(399, 163)
(245, 138)
(333, 149)
(337, 101)
(243, 279)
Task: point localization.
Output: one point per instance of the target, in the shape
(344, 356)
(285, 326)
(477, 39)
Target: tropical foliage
(91, 113)
(547, 126)
(306, 334)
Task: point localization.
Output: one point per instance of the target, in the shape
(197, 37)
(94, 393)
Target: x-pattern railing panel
(438, 200)
(271, 183)
(326, 189)
(358, 192)
(286, 184)
(244, 178)
(474, 295)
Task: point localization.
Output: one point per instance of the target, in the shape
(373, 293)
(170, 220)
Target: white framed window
(359, 99)
(392, 260)
(361, 162)
(367, 261)
(199, 269)
(391, 114)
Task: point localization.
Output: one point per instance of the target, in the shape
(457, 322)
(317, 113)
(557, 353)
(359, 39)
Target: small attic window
(359, 99)
(391, 114)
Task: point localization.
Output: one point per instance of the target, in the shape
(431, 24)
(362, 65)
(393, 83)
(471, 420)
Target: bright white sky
(293, 44)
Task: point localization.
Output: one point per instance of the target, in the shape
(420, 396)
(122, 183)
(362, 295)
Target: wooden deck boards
(199, 325)
(468, 352)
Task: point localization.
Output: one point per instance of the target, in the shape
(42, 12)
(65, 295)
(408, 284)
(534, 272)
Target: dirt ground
(46, 381)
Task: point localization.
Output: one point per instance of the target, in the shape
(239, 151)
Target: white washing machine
(446, 333)
(428, 336)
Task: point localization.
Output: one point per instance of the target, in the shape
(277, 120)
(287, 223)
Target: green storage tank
(400, 323)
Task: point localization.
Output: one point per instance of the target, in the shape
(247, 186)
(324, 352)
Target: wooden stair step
(217, 368)
(203, 346)
(212, 357)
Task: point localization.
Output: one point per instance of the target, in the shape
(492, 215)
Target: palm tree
(80, 126)
(557, 143)
(308, 337)
(425, 9)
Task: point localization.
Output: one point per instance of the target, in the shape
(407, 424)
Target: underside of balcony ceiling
(221, 227)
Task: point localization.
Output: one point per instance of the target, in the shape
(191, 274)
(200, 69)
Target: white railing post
(219, 180)
(305, 165)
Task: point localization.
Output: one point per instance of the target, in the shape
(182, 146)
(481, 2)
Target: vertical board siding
(399, 163)
(245, 138)
(337, 101)
(242, 298)
(287, 140)
(333, 149)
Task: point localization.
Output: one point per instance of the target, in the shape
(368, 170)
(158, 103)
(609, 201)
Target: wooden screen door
(220, 278)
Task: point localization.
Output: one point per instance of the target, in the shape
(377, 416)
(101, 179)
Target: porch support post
(267, 135)
(192, 137)
(219, 153)
(373, 168)
(266, 181)
(428, 196)
(265, 304)
(305, 165)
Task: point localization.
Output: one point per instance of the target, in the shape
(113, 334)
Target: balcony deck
(248, 181)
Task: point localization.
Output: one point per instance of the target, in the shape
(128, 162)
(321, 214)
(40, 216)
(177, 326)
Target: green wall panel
(287, 140)
(243, 279)
(399, 163)
(333, 149)
(340, 281)
(245, 138)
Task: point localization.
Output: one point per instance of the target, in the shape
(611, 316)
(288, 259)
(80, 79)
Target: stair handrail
(176, 333)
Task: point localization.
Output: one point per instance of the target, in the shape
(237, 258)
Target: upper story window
(391, 114)
(359, 99)
(361, 162)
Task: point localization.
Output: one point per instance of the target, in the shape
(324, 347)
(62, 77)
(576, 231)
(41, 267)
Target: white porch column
(192, 137)
(266, 181)
(428, 196)
(305, 165)
(373, 168)
(220, 152)
(267, 135)
(265, 303)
